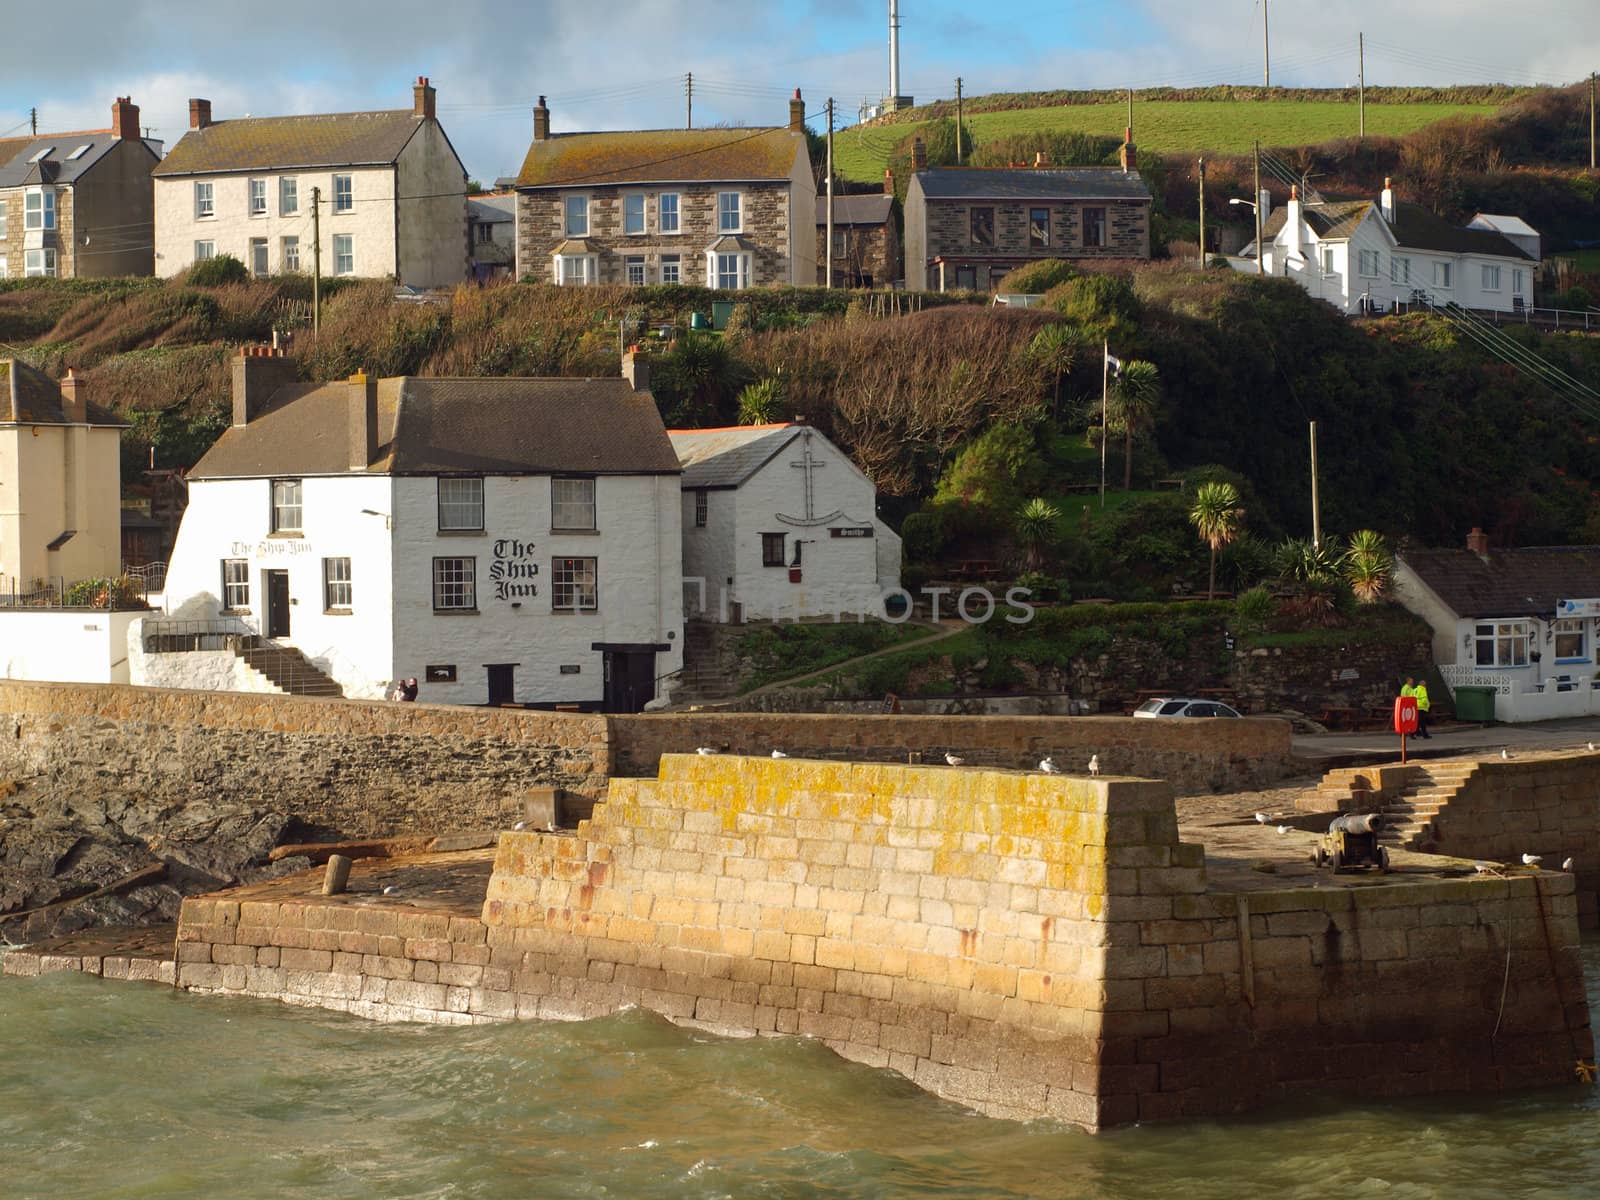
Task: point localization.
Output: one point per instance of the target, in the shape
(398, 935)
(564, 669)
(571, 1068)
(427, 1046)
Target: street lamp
(1255, 208)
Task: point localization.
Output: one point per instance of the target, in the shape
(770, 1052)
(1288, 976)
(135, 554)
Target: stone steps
(287, 669)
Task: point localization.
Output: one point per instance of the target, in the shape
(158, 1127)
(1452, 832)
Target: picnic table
(1335, 717)
(978, 570)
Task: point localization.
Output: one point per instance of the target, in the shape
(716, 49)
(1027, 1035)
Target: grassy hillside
(1165, 127)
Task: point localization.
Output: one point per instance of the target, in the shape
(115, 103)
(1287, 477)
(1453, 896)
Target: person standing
(408, 689)
(1420, 691)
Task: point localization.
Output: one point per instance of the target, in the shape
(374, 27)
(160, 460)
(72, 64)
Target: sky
(621, 64)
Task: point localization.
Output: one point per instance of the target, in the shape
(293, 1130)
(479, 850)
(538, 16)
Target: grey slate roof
(30, 397)
(725, 458)
(1512, 583)
(492, 210)
(1032, 183)
(17, 171)
(855, 210)
(439, 426)
(282, 143)
(1415, 228)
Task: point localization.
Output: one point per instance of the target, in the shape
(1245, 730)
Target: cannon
(1351, 843)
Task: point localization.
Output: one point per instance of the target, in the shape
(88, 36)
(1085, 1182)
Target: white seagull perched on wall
(1567, 864)
(955, 760)
(705, 750)
(1504, 753)
(1591, 745)
(1094, 764)
(1048, 766)
(519, 826)
(1532, 860)
(779, 754)
(1282, 829)
(1263, 819)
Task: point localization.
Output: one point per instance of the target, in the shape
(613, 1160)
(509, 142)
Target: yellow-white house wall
(54, 478)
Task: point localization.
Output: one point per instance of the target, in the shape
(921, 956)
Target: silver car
(1180, 706)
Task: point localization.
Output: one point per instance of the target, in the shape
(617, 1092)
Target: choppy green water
(126, 1090)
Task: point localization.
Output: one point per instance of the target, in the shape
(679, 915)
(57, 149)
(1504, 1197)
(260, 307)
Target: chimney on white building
(74, 402)
(362, 420)
(636, 370)
(258, 372)
(1386, 201)
(1291, 223)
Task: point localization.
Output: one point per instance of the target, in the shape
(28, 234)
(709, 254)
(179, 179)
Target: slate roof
(1511, 583)
(1333, 221)
(1415, 227)
(491, 210)
(725, 458)
(855, 210)
(1030, 183)
(439, 426)
(661, 156)
(285, 143)
(30, 397)
(57, 168)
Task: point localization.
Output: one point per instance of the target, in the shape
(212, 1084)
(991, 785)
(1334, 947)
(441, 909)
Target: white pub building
(503, 541)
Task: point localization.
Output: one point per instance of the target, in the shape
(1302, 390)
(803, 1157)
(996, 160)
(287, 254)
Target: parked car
(1181, 706)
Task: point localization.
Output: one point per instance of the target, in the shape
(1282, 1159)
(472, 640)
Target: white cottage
(1521, 622)
(502, 540)
(1364, 255)
(779, 524)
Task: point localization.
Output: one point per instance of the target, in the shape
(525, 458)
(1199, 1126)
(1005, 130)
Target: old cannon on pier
(1351, 843)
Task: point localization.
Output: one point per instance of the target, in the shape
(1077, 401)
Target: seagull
(1591, 745)
(390, 890)
(1566, 864)
(1483, 868)
(1532, 860)
(1048, 766)
(1094, 764)
(519, 826)
(955, 760)
(1504, 753)
(779, 754)
(550, 827)
(1282, 829)
(1263, 819)
(703, 751)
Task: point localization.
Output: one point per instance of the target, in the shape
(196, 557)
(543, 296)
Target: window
(288, 196)
(258, 197)
(573, 587)
(730, 271)
(1399, 269)
(772, 550)
(205, 200)
(966, 278)
(483, 233)
(981, 222)
(841, 243)
(633, 214)
(344, 254)
(670, 272)
(1367, 263)
(633, 269)
(3, 207)
(204, 250)
(41, 155)
(460, 503)
(1441, 274)
(1516, 280)
(700, 505)
(3, 268)
(577, 211)
(575, 270)
(235, 584)
(290, 253)
(286, 507)
(336, 590)
(39, 208)
(1491, 279)
(667, 213)
(572, 504)
(1094, 227)
(1569, 638)
(1502, 644)
(1327, 260)
(730, 214)
(1038, 228)
(258, 257)
(80, 152)
(344, 193)
(39, 262)
(455, 584)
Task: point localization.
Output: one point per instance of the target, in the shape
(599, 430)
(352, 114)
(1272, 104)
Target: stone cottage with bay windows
(727, 208)
(502, 540)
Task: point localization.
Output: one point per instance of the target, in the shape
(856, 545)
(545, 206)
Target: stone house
(966, 227)
(78, 205)
(1371, 255)
(501, 540)
(390, 189)
(727, 208)
(779, 524)
(866, 243)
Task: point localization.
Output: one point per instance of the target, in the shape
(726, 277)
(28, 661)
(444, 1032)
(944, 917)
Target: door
(502, 683)
(630, 680)
(277, 603)
(258, 257)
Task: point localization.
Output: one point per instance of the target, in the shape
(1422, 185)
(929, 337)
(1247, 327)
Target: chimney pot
(1386, 200)
(125, 119)
(541, 121)
(797, 113)
(199, 114)
(423, 99)
(257, 374)
(636, 370)
(74, 400)
(1129, 154)
(888, 182)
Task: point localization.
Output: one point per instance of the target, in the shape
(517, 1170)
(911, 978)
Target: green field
(1166, 127)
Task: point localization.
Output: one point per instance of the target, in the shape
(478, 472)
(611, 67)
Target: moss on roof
(271, 143)
(661, 156)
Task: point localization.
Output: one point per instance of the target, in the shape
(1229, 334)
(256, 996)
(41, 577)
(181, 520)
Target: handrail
(168, 636)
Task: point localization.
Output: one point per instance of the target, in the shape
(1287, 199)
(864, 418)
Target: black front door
(277, 603)
(630, 680)
(502, 683)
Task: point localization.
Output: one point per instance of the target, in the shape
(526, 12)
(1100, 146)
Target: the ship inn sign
(513, 571)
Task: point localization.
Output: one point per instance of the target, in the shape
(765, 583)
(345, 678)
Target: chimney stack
(362, 413)
(1291, 223)
(1386, 201)
(636, 370)
(919, 155)
(797, 113)
(258, 372)
(1478, 542)
(74, 403)
(541, 122)
(1130, 154)
(125, 119)
(199, 114)
(888, 182)
(422, 104)
(1264, 199)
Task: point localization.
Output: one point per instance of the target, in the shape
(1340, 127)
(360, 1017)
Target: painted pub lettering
(514, 571)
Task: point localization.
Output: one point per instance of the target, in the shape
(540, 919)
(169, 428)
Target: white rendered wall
(708, 554)
(432, 211)
(74, 646)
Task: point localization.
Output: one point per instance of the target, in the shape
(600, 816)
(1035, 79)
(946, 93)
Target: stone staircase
(710, 663)
(1409, 797)
(285, 668)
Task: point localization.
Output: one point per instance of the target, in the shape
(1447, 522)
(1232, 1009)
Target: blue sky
(621, 64)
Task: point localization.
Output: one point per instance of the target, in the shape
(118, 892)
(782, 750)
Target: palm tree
(1136, 399)
(1367, 565)
(1037, 521)
(1217, 518)
(1055, 350)
(761, 401)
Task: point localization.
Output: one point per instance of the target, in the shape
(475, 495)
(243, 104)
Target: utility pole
(33, 121)
(1105, 427)
(1316, 510)
(1266, 48)
(1259, 257)
(688, 96)
(958, 121)
(316, 261)
(1130, 112)
(830, 195)
(1591, 121)
(1361, 84)
(1202, 214)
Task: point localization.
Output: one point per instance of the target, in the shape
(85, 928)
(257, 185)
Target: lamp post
(1255, 208)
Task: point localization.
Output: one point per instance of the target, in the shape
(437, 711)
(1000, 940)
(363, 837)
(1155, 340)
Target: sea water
(123, 1090)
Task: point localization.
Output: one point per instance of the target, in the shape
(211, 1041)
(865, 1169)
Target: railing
(183, 637)
(151, 577)
(91, 595)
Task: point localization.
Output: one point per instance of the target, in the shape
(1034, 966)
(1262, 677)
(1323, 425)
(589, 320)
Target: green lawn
(1587, 261)
(1166, 126)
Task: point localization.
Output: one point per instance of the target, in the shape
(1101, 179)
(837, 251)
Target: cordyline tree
(1135, 401)
(1217, 518)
